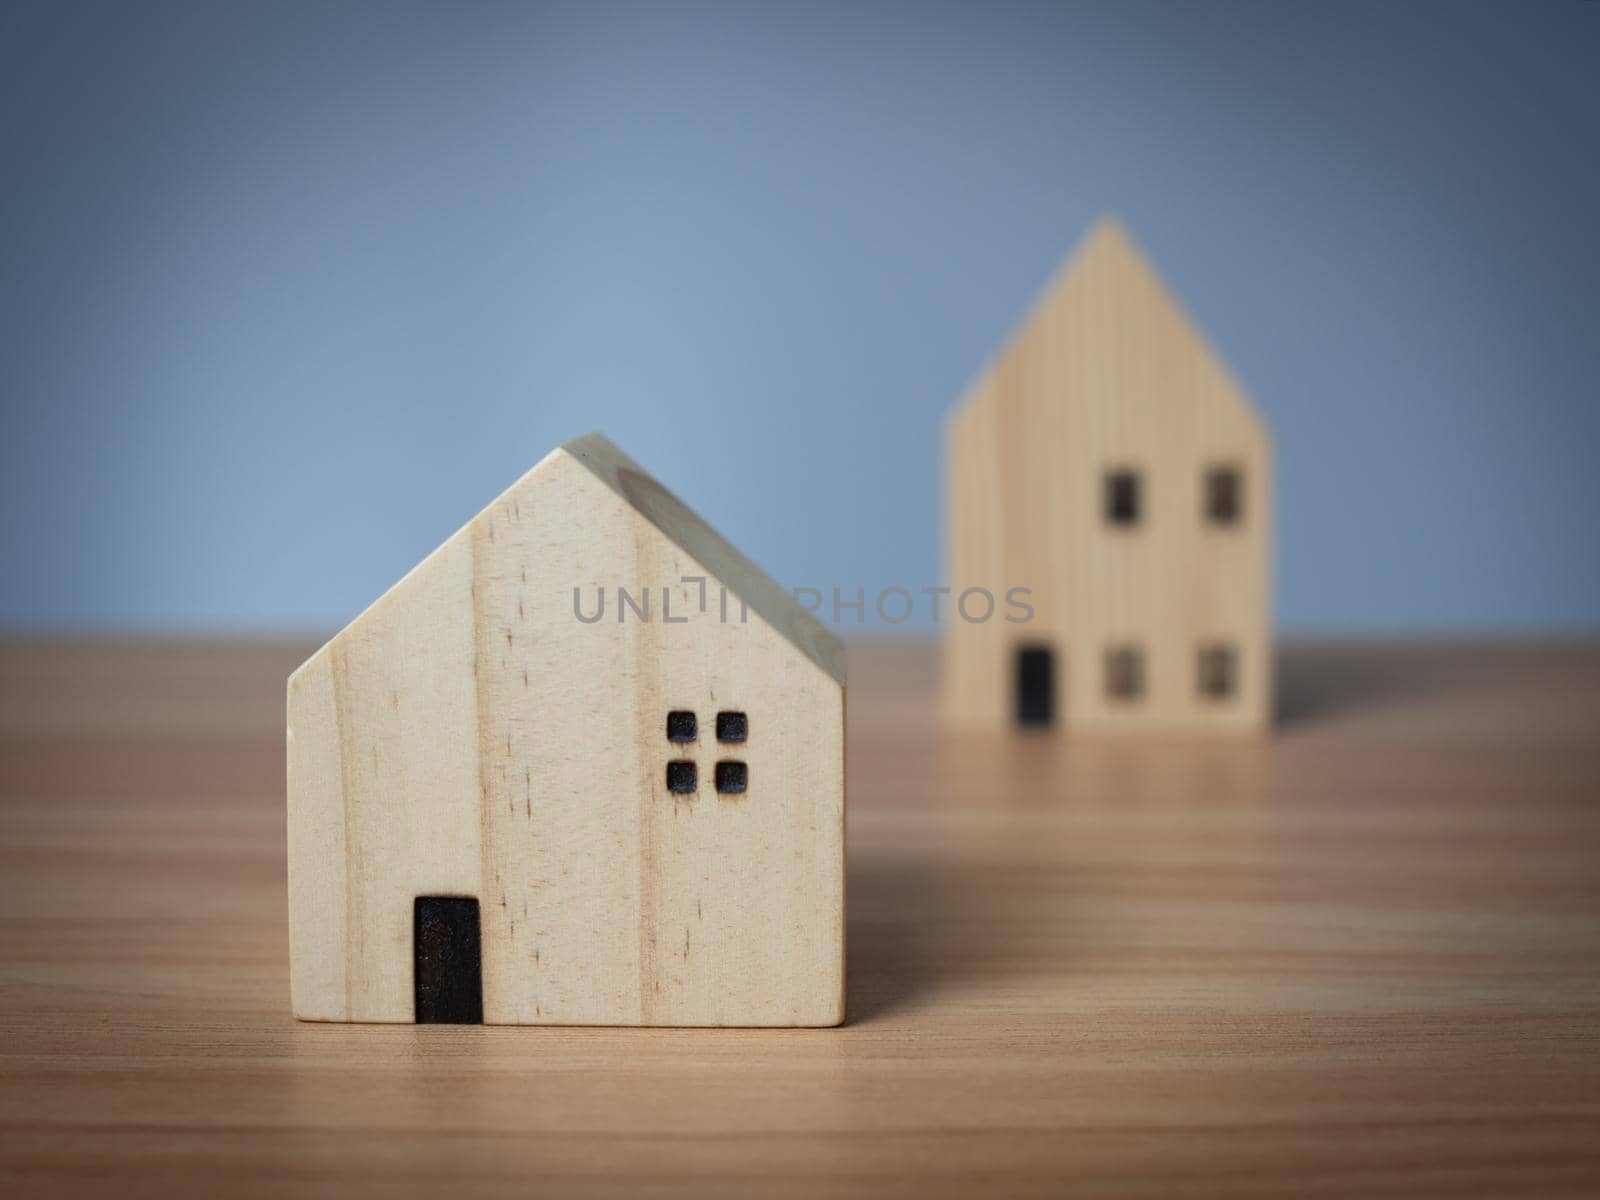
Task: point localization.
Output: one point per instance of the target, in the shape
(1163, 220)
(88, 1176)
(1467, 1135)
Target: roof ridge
(679, 523)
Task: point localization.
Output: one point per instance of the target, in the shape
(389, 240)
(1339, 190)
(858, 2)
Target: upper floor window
(1123, 499)
(1223, 495)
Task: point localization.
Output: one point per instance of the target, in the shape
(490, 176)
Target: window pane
(681, 777)
(1224, 495)
(1124, 672)
(1122, 497)
(1218, 671)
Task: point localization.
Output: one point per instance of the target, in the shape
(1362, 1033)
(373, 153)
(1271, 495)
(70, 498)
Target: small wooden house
(1109, 462)
(582, 765)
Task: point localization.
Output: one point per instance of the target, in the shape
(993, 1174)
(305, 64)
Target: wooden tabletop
(1359, 958)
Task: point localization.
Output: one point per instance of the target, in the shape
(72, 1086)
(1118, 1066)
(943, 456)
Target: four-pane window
(730, 776)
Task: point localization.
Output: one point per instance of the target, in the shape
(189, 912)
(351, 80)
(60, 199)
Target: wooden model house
(1109, 462)
(505, 809)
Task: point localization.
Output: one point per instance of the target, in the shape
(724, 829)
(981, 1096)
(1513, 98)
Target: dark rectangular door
(449, 961)
(1036, 687)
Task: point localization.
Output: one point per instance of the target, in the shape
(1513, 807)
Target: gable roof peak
(1108, 241)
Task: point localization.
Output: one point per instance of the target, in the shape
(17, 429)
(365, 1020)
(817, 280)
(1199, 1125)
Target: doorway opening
(1035, 687)
(447, 947)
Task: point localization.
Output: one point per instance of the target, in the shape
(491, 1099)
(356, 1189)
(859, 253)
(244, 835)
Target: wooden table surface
(1360, 958)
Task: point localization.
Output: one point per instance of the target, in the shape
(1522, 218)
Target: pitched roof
(674, 520)
(1107, 289)
(677, 521)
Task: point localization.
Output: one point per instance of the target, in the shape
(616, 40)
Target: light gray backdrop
(287, 292)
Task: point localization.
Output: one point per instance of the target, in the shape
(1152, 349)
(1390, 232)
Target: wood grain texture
(1108, 373)
(468, 735)
(1357, 959)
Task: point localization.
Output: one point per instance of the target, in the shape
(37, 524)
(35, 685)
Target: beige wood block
(469, 735)
(1108, 373)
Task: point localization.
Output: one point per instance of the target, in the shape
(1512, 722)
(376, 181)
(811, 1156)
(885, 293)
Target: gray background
(287, 292)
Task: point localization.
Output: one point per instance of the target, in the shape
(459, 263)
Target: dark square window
(681, 726)
(732, 777)
(1124, 672)
(732, 727)
(1224, 495)
(1218, 671)
(681, 776)
(1122, 497)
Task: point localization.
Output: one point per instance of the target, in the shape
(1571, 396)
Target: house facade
(499, 811)
(1108, 461)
